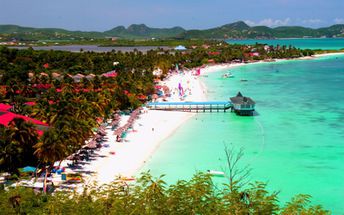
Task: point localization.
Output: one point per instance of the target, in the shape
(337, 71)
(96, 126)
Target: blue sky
(103, 15)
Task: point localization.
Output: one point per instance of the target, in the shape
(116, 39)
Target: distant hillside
(132, 32)
(234, 30)
(242, 30)
(142, 31)
(28, 33)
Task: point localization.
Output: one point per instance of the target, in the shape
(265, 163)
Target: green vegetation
(142, 32)
(149, 195)
(241, 30)
(152, 196)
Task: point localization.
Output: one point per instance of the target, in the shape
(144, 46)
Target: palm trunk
(45, 180)
(36, 172)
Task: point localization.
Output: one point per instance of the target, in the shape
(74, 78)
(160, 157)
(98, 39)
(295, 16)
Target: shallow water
(309, 43)
(295, 143)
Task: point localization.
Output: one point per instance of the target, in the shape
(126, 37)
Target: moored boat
(216, 173)
(228, 75)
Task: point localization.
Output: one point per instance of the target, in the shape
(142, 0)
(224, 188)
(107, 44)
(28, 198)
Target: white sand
(328, 54)
(149, 131)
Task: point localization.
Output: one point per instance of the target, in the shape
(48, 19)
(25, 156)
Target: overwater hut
(243, 106)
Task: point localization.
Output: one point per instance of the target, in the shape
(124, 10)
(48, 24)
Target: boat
(122, 178)
(216, 173)
(228, 75)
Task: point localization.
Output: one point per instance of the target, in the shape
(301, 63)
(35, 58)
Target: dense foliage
(152, 196)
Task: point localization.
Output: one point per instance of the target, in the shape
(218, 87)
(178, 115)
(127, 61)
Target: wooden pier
(211, 106)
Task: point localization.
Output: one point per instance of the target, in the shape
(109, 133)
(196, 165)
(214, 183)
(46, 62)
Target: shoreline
(126, 159)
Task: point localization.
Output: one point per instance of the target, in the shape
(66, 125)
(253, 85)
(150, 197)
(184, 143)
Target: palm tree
(50, 149)
(9, 151)
(17, 143)
(25, 134)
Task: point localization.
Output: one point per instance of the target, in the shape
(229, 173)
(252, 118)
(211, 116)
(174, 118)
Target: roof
(7, 117)
(180, 47)
(55, 74)
(5, 107)
(240, 99)
(110, 74)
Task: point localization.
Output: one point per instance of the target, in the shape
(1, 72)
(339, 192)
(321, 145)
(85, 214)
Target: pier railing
(211, 106)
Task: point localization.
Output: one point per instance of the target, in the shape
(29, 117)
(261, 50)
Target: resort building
(6, 117)
(180, 48)
(243, 106)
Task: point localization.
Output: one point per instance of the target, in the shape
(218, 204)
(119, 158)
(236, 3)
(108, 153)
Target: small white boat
(228, 75)
(216, 173)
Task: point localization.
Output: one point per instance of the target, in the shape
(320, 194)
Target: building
(243, 106)
(180, 48)
(6, 117)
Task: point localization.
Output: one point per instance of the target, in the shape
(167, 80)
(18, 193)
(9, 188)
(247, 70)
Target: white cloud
(339, 20)
(270, 22)
(312, 21)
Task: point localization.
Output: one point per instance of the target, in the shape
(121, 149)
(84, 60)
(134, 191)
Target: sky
(102, 15)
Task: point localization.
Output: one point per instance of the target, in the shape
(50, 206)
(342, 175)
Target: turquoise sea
(295, 143)
(309, 43)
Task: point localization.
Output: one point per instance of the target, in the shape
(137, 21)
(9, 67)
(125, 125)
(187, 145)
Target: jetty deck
(212, 106)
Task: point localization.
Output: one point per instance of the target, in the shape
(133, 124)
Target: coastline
(126, 159)
(129, 156)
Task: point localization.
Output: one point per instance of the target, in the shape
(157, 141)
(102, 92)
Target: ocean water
(295, 143)
(309, 43)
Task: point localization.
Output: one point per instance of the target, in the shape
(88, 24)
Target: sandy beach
(124, 159)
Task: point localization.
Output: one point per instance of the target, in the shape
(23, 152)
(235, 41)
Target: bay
(306, 43)
(295, 143)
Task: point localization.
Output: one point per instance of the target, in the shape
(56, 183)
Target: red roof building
(6, 117)
(5, 107)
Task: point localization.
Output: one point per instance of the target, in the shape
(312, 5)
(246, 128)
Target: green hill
(242, 30)
(28, 33)
(140, 31)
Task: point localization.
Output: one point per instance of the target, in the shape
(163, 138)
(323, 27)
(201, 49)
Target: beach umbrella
(70, 157)
(29, 169)
(91, 145)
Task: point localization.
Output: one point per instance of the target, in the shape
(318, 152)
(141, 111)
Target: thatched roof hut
(243, 105)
